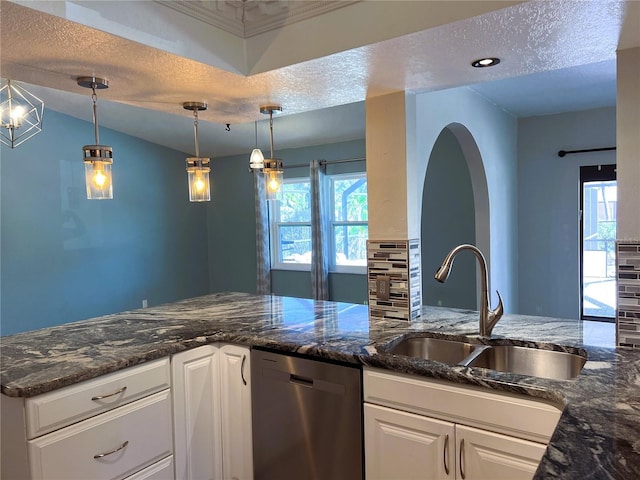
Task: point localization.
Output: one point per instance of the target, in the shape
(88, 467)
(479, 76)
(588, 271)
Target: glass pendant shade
(256, 161)
(273, 177)
(198, 175)
(97, 172)
(21, 114)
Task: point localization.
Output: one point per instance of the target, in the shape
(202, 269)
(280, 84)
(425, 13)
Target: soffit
(247, 18)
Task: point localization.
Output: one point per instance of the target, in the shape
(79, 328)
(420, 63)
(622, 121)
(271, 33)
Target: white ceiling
(556, 56)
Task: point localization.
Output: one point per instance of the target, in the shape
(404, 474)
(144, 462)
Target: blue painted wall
(65, 258)
(549, 203)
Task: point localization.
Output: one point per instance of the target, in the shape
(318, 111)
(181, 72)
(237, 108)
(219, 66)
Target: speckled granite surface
(597, 437)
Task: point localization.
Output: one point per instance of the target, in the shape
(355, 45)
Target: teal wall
(65, 258)
(448, 220)
(548, 205)
(231, 224)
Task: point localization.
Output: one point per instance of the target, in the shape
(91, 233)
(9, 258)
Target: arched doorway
(455, 210)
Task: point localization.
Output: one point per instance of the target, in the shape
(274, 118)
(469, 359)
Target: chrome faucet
(488, 317)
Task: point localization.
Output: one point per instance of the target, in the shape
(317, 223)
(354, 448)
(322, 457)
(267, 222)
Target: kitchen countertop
(597, 436)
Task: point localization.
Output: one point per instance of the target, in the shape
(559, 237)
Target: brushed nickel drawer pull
(462, 474)
(446, 454)
(244, 358)
(100, 455)
(100, 397)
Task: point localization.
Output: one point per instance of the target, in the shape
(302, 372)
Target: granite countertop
(595, 438)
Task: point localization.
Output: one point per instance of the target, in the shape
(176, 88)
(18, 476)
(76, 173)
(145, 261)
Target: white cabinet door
(487, 455)
(401, 445)
(197, 434)
(235, 390)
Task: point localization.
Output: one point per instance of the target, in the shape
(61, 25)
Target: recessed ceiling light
(485, 62)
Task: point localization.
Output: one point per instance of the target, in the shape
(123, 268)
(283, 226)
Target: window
(291, 224)
(598, 238)
(349, 225)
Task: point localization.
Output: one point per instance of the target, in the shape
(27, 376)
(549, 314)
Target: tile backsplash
(400, 261)
(628, 311)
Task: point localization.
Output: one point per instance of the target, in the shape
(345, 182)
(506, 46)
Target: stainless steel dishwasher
(307, 419)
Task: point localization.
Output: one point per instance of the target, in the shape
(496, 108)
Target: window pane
(351, 244)
(295, 243)
(350, 199)
(295, 203)
(598, 249)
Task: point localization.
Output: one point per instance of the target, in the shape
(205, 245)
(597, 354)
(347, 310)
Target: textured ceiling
(320, 68)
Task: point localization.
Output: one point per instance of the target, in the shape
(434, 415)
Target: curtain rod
(322, 162)
(562, 153)
(327, 162)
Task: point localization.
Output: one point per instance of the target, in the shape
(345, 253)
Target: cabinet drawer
(479, 407)
(162, 470)
(68, 405)
(124, 440)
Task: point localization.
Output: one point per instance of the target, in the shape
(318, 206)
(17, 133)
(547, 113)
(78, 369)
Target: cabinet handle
(244, 358)
(100, 397)
(100, 455)
(462, 474)
(446, 454)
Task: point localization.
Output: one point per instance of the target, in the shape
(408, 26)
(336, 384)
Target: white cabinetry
(212, 413)
(113, 426)
(235, 391)
(419, 428)
(196, 414)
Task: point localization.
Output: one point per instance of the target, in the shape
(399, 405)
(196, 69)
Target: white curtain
(263, 255)
(320, 225)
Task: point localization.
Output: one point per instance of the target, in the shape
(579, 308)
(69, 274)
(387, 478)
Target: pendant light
(98, 159)
(273, 168)
(256, 161)
(20, 114)
(197, 168)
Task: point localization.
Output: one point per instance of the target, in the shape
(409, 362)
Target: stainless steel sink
(450, 352)
(529, 361)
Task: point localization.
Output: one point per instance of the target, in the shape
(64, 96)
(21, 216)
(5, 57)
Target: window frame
(275, 225)
(591, 173)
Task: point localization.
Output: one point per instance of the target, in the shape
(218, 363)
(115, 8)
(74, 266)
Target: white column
(394, 222)
(628, 178)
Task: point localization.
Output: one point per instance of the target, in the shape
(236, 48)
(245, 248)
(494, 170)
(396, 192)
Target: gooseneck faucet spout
(488, 317)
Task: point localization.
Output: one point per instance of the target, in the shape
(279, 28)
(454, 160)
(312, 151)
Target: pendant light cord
(195, 131)
(94, 98)
(271, 130)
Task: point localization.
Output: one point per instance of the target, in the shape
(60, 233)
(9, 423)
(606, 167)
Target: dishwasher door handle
(304, 381)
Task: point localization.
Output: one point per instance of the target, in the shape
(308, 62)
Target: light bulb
(17, 114)
(273, 183)
(99, 179)
(199, 184)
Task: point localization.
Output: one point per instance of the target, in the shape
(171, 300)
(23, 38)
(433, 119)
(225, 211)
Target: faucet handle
(497, 313)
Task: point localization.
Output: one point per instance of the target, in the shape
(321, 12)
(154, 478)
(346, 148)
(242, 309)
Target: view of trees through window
(293, 217)
(599, 202)
(350, 216)
(291, 222)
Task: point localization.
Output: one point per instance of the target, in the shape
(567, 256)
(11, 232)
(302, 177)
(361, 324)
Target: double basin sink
(503, 358)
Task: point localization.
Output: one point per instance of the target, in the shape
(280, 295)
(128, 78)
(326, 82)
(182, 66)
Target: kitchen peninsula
(596, 436)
